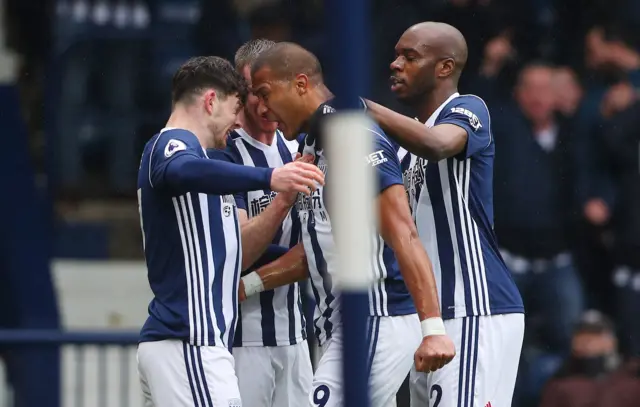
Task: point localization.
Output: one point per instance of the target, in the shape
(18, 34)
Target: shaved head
(286, 60)
(429, 56)
(444, 40)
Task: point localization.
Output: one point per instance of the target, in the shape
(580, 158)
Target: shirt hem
(260, 344)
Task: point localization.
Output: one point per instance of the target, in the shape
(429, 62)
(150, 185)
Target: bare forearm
(417, 273)
(259, 231)
(411, 134)
(288, 269)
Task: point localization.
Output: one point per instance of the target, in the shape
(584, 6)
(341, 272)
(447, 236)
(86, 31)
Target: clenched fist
(433, 353)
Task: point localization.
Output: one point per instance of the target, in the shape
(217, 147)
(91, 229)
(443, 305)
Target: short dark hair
(287, 60)
(249, 52)
(200, 73)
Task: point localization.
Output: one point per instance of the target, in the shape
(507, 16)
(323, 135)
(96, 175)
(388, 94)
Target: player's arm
(399, 231)
(259, 231)
(179, 168)
(436, 143)
(288, 269)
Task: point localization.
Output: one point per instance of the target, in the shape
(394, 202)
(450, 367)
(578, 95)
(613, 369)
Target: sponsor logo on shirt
(474, 122)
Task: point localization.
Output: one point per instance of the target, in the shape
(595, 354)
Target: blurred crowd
(560, 78)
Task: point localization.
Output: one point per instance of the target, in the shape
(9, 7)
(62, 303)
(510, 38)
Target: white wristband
(432, 326)
(252, 284)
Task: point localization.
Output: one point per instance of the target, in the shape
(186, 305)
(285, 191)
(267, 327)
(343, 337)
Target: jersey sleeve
(471, 114)
(233, 155)
(384, 160)
(167, 148)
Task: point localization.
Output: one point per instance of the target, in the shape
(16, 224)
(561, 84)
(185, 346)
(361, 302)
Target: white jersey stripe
(375, 305)
(195, 281)
(383, 275)
(229, 224)
(460, 302)
(187, 267)
(204, 209)
(199, 270)
(466, 233)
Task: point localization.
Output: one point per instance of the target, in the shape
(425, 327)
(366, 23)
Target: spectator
(621, 139)
(591, 375)
(534, 218)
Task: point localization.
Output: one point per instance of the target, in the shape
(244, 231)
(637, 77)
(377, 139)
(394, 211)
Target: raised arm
(288, 269)
(434, 143)
(189, 173)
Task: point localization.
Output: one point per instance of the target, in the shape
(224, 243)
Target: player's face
(224, 118)
(283, 101)
(413, 72)
(255, 111)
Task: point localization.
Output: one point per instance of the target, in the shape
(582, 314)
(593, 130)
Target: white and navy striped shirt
(275, 317)
(452, 204)
(192, 250)
(388, 295)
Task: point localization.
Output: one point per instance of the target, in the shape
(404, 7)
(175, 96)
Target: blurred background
(84, 84)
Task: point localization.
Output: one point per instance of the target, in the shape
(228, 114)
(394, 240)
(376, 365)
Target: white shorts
(485, 368)
(176, 374)
(274, 376)
(393, 345)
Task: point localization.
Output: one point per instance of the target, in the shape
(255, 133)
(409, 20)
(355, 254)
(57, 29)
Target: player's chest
(257, 201)
(228, 207)
(313, 208)
(415, 172)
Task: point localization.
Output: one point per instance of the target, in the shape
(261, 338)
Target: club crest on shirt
(228, 202)
(173, 146)
(474, 122)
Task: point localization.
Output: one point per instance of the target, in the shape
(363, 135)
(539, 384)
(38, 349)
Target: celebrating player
(288, 80)
(451, 192)
(192, 242)
(270, 348)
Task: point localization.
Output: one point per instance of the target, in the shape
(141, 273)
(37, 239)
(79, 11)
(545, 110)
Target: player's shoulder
(169, 142)
(222, 155)
(468, 105)
(291, 145)
(467, 108)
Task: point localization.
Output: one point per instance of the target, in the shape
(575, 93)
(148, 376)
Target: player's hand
(242, 295)
(298, 176)
(291, 197)
(434, 352)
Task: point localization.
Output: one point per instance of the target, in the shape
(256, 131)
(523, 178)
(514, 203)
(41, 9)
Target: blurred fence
(97, 369)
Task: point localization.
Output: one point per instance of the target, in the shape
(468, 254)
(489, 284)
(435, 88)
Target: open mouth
(396, 83)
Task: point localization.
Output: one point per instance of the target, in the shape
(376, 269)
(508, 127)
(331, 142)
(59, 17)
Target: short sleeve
(232, 154)
(167, 147)
(471, 114)
(384, 160)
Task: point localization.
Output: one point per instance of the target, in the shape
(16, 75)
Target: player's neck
(261, 136)
(432, 102)
(181, 119)
(254, 131)
(321, 94)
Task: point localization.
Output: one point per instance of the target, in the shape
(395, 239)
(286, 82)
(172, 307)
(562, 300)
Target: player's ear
(210, 97)
(301, 83)
(446, 68)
